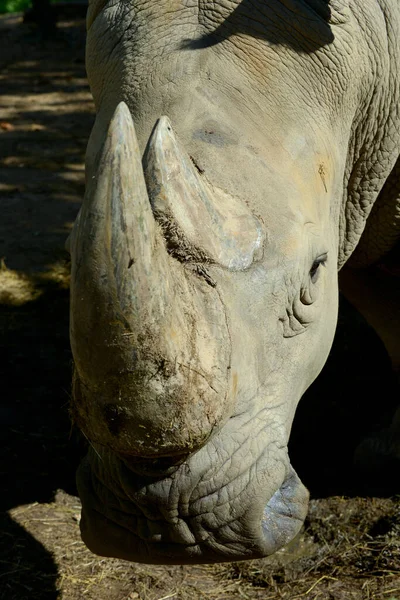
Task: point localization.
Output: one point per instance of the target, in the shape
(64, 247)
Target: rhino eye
(321, 260)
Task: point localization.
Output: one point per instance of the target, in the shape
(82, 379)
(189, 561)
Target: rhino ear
(199, 222)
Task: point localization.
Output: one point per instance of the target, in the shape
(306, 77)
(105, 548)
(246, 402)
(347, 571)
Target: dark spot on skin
(131, 262)
(322, 174)
(213, 133)
(164, 368)
(211, 138)
(202, 272)
(114, 418)
(196, 164)
(123, 223)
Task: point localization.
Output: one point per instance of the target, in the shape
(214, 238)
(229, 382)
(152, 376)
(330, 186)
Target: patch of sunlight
(74, 166)
(59, 273)
(16, 288)
(8, 187)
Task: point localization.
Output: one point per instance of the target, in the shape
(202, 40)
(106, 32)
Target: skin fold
(205, 257)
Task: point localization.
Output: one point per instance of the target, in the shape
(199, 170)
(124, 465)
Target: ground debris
(361, 560)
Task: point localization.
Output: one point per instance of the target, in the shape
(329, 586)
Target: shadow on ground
(354, 397)
(46, 117)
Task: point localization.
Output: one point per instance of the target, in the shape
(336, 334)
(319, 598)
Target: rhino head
(204, 275)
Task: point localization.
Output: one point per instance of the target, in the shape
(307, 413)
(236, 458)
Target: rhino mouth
(153, 466)
(161, 519)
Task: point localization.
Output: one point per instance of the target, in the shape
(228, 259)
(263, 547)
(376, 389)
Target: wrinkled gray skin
(204, 289)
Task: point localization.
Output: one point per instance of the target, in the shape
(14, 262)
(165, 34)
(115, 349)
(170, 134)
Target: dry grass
(349, 549)
(17, 289)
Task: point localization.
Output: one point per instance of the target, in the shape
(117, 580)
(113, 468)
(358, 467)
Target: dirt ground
(350, 545)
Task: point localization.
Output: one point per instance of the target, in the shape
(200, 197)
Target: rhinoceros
(243, 151)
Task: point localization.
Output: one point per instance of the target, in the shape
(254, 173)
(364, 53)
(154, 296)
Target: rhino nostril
(114, 418)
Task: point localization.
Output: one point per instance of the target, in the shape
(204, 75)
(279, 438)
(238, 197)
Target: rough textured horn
(149, 340)
(194, 215)
(114, 239)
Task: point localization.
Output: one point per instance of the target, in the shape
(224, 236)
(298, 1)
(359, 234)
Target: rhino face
(203, 301)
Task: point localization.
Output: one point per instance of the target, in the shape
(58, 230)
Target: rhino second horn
(215, 225)
(150, 345)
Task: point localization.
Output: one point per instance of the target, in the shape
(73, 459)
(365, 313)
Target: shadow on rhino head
(303, 26)
(205, 258)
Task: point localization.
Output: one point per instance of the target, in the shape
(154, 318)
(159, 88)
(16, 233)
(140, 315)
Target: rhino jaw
(148, 334)
(211, 508)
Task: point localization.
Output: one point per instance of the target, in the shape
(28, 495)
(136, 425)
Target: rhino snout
(164, 519)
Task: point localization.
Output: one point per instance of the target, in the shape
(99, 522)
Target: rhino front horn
(149, 339)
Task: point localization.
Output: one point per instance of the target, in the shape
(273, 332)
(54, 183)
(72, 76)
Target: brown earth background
(350, 545)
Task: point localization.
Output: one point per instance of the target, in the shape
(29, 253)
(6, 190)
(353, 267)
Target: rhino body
(243, 152)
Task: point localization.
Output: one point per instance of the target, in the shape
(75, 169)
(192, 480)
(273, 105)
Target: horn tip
(122, 116)
(122, 108)
(164, 123)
